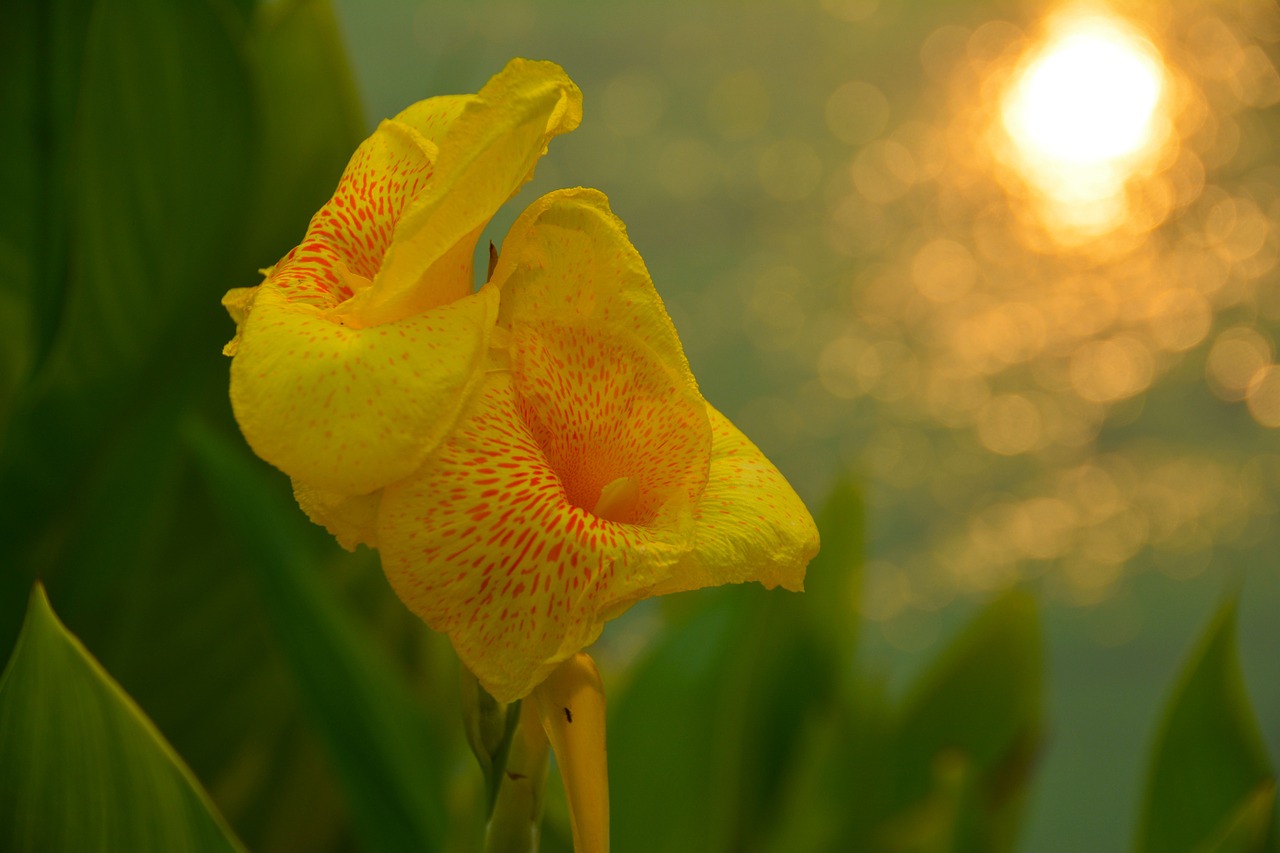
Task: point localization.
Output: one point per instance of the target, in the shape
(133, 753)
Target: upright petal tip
(539, 75)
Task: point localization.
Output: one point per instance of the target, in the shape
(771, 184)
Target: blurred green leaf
(833, 582)
(723, 707)
(158, 157)
(1247, 829)
(836, 797)
(661, 775)
(311, 123)
(81, 767)
(387, 755)
(1211, 785)
(162, 147)
(41, 47)
(970, 729)
(159, 594)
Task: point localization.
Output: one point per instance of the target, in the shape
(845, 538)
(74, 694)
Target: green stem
(516, 821)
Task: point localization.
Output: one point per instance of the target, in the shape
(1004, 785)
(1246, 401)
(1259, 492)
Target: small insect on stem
(568, 716)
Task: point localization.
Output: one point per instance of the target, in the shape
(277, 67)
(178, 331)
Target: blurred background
(1008, 268)
(1012, 265)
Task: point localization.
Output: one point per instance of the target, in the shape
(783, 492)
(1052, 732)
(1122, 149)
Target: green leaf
(718, 716)
(387, 754)
(970, 728)
(670, 712)
(1211, 785)
(833, 582)
(81, 767)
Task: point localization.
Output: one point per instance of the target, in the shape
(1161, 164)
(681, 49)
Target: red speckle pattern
(486, 545)
(600, 409)
(352, 232)
(494, 540)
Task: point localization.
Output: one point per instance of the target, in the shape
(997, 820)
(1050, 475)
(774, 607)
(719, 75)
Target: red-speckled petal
(349, 410)
(486, 154)
(595, 356)
(346, 240)
(749, 524)
(485, 545)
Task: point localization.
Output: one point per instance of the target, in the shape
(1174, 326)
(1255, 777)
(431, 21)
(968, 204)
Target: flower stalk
(571, 706)
(516, 821)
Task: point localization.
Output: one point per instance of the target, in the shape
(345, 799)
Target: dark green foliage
(389, 759)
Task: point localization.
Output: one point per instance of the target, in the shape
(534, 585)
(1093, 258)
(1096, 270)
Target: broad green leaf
(779, 674)
(311, 123)
(160, 595)
(971, 727)
(1211, 785)
(388, 757)
(81, 767)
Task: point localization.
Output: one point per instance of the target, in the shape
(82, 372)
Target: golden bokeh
(1075, 218)
(1084, 112)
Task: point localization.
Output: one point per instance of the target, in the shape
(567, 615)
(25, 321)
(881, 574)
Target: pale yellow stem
(516, 822)
(571, 705)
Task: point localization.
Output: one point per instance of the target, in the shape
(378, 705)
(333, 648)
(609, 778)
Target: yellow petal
(596, 361)
(749, 524)
(348, 238)
(352, 519)
(567, 260)
(349, 410)
(485, 544)
(486, 153)
(239, 302)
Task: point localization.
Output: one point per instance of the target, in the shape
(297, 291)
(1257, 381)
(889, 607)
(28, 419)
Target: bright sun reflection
(1084, 115)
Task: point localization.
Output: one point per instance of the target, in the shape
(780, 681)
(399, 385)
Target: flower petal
(567, 260)
(749, 524)
(484, 544)
(347, 239)
(485, 155)
(349, 410)
(596, 362)
(352, 519)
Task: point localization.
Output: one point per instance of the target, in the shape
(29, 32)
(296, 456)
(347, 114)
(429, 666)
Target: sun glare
(1084, 114)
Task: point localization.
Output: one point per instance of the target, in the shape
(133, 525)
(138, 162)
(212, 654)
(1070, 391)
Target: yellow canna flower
(588, 473)
(361, 347)
(530, 459)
